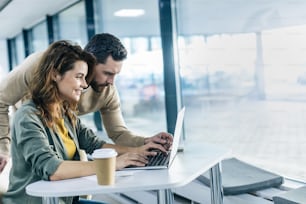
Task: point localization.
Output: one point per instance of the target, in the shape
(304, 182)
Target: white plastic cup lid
(104, 153)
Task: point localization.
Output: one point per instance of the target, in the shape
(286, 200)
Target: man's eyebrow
(109, 72)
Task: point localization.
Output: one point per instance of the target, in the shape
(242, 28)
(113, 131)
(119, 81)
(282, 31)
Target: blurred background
(238, 66)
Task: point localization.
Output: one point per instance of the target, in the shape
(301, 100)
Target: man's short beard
(98, 88)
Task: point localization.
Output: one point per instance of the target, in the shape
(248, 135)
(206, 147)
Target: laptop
(166, 160)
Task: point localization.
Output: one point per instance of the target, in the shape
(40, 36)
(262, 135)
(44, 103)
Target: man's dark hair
(104, 44)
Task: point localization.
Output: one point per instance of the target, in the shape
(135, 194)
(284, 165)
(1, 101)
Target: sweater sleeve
(114, 123)
(12, 89)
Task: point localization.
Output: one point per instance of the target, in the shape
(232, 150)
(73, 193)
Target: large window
(40, 37)
(242, 69)
(4, 67)
(284, 59)
(20, 50)
(70, 24)
(244, 89)
(140, 82)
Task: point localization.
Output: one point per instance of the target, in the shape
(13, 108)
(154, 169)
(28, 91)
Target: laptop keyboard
(159, 159)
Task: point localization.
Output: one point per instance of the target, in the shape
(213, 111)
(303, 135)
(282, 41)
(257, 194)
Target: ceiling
(214, 16)
(22, 14)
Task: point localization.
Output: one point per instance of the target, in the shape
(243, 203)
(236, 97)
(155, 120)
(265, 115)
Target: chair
(240, 177)
(294, 196)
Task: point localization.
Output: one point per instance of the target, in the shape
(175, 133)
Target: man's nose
(110, 80)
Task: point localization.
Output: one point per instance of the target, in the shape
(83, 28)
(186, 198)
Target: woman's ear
(55, 76)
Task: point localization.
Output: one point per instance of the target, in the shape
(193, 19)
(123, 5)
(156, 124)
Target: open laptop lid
(177, 135)
(175, 144)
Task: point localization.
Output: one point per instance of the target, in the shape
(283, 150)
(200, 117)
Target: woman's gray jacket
(37, 151)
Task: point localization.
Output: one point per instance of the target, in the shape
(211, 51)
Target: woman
(46, 133)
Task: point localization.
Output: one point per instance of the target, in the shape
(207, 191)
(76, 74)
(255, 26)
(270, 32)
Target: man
(101, 95)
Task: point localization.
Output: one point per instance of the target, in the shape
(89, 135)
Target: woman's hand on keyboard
(130, 159)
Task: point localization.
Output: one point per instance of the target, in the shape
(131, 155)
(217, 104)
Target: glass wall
(20, 50)
(70, 24)
(244, 90)
(140, 82)
(4, 65)
(40, 37)
(284, 59)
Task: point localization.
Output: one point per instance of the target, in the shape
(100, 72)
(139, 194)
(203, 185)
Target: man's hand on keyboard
(148, 148)
(162, 138)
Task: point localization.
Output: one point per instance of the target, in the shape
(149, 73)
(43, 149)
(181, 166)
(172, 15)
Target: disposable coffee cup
(105, 165)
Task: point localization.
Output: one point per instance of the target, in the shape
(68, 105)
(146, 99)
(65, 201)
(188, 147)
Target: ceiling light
(129, 12)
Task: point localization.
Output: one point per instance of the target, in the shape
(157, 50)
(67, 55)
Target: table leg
(216, 185)
(50, 200)
(165, 196)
